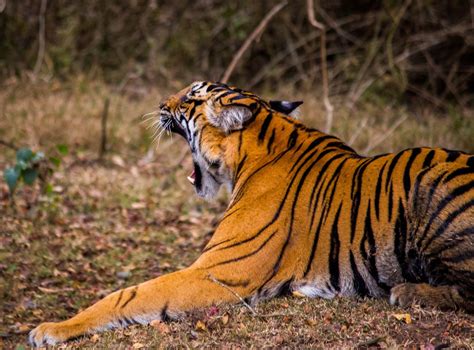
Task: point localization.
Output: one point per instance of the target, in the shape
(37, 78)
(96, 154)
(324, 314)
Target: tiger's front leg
(163, 297)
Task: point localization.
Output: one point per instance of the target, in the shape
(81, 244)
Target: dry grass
(118, 223)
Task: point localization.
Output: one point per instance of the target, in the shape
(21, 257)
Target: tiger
(306, 215)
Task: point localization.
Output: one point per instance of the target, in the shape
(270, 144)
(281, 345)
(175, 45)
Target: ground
(133, 216)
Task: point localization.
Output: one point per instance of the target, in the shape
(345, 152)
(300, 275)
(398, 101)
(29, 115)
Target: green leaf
(11, 177)
(63, 149)
(55, 160)
(24, 154)
(29, 176)
(21, 165)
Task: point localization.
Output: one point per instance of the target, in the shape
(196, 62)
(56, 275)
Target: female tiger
(307, 214)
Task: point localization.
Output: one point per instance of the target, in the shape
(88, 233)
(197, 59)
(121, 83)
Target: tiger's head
(205, 114)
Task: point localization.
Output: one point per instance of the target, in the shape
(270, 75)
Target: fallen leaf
(201, 326)
(138, 205)
(160, 326)
(298, 294)
(403, 317)
(138, 345)
(225, 319)
(117, 160)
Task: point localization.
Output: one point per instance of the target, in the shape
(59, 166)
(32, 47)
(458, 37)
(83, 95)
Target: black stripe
(357, 280)
(265, 125)
(400, 239)
(313, 249)
(310, 147)
(357, 177)
(378, 190)
(415, 205)
(334, 252)
(239, 168)
(458, 237)
(356, 195)
(318, 185)
(228, 283)
(133, 294)
(458, 172)
(164, 313)
(333, 180)
(270, 141)
(390, 202)
(393, 163)
(239, 147)
(242, 257)
(461, 257)
(470, 161)
(371, 257)
(119, 298)
(406, 175)
(128, 321)
(429, 159)
(451, 217)
(453, 155)
(292, 139)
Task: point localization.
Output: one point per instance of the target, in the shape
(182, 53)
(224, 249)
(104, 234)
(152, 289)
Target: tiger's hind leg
(440, 242)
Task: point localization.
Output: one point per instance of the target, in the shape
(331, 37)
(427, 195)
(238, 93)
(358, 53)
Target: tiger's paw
(403, 294)
(47, 333)
(443, 297)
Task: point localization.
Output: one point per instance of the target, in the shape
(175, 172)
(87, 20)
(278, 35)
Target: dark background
(409, 49)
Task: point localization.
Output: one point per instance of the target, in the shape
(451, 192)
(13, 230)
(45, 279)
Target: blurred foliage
(420, 48)
(31, 167)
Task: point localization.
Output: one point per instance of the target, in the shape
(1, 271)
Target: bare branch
(41, 37)
(8, 145)
(324, 69)
(385, 135)
(255, 34)
(215, 280)
(103, 123)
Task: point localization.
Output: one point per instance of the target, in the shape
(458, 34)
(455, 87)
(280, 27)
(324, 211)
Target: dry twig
(103, 137)
(8, 145)
(215, 280)
(256, 33)
(252, 310)
(385, 135)
(324, 69)
(41, 37)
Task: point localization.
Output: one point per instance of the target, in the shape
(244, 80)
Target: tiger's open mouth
(169, 123)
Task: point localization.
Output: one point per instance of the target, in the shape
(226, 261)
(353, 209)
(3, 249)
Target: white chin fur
(209, 187)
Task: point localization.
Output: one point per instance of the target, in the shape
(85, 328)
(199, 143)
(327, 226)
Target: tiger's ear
(286, 107)
(228, 118)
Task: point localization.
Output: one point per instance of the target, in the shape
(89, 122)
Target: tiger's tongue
(192, 177)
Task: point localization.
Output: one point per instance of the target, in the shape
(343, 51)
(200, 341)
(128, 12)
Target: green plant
(31, 166)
